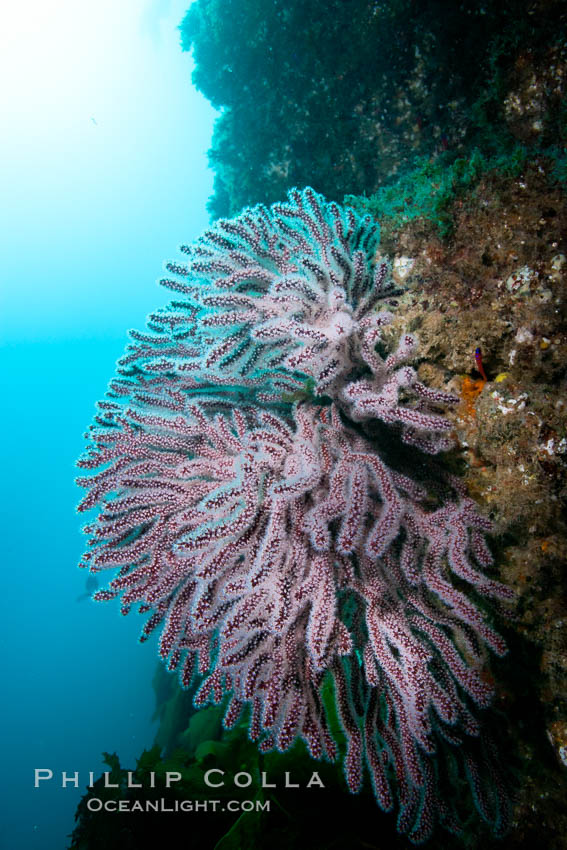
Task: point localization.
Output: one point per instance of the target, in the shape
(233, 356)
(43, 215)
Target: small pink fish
(478, 361)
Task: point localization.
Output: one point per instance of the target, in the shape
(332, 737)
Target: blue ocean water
(92, 205)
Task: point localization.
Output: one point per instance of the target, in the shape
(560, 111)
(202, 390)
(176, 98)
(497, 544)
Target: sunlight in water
(60, 62)
(97, 114)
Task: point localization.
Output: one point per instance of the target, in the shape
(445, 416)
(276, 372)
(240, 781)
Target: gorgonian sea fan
(292, 286)
(273, 544)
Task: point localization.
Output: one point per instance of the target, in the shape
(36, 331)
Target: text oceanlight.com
(213, 778)
(94, 804)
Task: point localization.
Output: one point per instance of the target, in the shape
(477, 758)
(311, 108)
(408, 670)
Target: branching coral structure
(271, 539)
